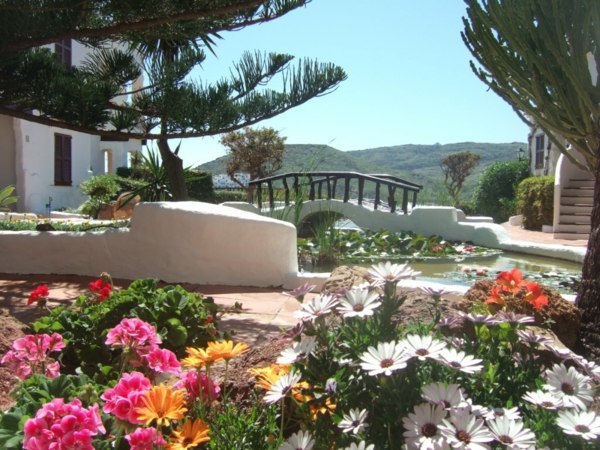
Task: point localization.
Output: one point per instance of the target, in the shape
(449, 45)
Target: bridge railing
(326, 184)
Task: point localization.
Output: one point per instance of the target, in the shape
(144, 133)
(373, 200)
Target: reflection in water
(443, 270)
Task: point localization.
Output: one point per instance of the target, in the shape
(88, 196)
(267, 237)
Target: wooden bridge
(350, 187)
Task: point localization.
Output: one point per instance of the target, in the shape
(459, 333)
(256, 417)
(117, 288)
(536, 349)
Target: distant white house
(573, 187)
(48, 164)
(224, 181)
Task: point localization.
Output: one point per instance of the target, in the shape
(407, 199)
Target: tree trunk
(588, 295)
(174, 169)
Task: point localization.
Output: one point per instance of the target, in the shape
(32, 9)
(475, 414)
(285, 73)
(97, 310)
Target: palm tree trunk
(174, 169)
(588, 295)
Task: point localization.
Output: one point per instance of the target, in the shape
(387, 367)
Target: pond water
(551, 272)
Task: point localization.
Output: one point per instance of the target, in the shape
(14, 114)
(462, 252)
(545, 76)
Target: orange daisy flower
(321, 407)
(197, 358)
(225, 350)
(193, 433)
(510, 281)
(534, 295)
(162, 404)
(267, 376)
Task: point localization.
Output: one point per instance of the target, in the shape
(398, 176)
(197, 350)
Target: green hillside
(417, 163)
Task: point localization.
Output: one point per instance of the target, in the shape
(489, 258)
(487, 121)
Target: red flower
(101, 288)
(38, 295)
(534, 295)
(495, 297)
(510, 281)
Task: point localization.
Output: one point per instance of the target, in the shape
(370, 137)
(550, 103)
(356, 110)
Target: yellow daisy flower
(193, 433)
(225, 350)
(162, 404)
(267, 376)
(197, 358)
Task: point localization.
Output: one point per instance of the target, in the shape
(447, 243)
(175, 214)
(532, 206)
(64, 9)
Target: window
(108, 161)
(539, 151)
(63, 52)
(62, 160)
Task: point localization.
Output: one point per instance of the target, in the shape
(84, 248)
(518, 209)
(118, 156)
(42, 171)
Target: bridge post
(414, 199)
(259, 195)
(286, 191)
(405, 201)
(329, 196)
(391, 199)
(361, 186)
(346, 189)
(377, 188)
(311, 194)
(271, 196)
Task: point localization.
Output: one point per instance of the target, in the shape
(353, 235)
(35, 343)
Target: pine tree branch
(120, 30)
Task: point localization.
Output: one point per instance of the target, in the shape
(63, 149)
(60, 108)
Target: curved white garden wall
(176, 242)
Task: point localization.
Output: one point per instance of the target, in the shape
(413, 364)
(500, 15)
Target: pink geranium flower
(198, 386)
(133, 334)
(162, 360)
(30, 354)
(145, 439)
(127, 394)
(65, 426)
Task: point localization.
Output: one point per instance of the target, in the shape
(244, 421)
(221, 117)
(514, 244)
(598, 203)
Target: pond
(555, 273)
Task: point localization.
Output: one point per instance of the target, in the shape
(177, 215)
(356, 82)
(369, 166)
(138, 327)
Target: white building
(573, 187)
(48, 164)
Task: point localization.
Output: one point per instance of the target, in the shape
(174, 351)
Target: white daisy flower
(446, 395)
(467, 407)
(302, 440)
(572, 387)
(298, 351)
(434, 293)
(450, 322)
(422, 347)
(560, 352)
(387, 272)
(354, 422)
(460, 360)
(543, 399)
(513, 317)
(387, 357)
(481, 319)
(528, 337)
(465, 431)
(589, 367)
(585, 424)
(511, 433)
(362, 445)
(358, 303)
(496, 413)
(422, 426)
(281, 387)
(317, 307)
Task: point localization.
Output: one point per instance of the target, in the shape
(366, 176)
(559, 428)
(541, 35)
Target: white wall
(176, 242)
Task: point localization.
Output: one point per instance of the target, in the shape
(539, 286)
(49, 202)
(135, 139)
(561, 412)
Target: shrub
(101, 189)
(124, 172)
(181, 318)
(496, 190)
(200, 185)
(229, 195)
(535, 201)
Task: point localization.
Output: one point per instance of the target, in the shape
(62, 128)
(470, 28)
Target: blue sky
(409, 80)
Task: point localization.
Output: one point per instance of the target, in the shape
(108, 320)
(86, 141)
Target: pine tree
(542, 57)
(163, 40)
